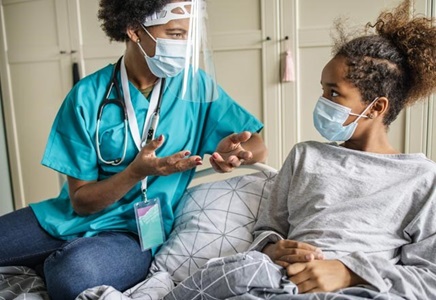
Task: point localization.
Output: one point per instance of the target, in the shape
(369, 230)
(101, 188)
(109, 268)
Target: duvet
(244, 276)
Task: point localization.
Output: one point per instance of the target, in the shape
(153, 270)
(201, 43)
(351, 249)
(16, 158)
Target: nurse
(115, 155)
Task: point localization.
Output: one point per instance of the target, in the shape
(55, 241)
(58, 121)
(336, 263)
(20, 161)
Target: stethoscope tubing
(120, 101)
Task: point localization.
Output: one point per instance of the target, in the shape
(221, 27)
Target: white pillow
(212, 220)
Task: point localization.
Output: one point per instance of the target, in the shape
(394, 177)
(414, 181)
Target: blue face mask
(169, 59)
(329, 117)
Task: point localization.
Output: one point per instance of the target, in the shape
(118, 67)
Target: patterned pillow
(213, 220)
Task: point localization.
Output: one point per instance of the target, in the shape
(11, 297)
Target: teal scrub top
(71, 150)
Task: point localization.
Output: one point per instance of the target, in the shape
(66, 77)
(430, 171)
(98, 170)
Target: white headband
(166, 14)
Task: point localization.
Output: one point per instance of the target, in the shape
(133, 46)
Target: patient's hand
(322, 276)
(286, 252)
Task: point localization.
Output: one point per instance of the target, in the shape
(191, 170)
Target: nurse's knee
(69, 271)
(88, 262)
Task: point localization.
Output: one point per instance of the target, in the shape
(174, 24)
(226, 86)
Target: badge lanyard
(133, 123)
(148, 212)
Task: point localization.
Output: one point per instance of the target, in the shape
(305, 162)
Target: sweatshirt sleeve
(272, 223)
(414, 275)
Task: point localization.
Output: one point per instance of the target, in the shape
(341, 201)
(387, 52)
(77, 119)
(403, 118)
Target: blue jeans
(70, 267)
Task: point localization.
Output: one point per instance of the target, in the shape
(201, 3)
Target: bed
(207, 255)
(214, 219)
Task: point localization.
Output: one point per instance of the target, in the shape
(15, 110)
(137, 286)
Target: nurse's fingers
(234, 161)
(241, 137)
(245, 155)
(154, 144)
(178, 162)
(215, 166)
(219, 164)
(182, 158)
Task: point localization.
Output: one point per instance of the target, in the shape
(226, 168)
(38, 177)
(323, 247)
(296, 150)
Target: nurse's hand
(146, 163)
(230, 152)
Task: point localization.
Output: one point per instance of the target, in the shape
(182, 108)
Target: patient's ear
(379, 108)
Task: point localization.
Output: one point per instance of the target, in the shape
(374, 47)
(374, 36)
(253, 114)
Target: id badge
(150, 224)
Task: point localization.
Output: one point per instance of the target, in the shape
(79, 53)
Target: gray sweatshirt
(374, 212)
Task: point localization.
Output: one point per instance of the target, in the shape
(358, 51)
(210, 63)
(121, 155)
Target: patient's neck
(374, 144)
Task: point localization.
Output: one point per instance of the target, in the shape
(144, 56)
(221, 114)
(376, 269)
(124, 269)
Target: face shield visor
(197, 81)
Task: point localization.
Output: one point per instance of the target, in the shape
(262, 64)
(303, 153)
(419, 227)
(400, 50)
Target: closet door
(244, 40)
(96, 51)
(35, 76)
(6, 200)
(41, 41)
(419, 133)
(431, 150)
(289, 110)
(432, 130)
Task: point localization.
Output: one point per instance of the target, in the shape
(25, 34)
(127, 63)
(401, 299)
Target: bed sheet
(244, 276)
(21, 283)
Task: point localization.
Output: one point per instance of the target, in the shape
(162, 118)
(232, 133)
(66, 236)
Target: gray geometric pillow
(213, 220)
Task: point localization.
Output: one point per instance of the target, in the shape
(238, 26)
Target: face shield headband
(171, 11)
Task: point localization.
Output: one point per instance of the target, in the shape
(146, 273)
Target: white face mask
(329, 117)
(169, 59)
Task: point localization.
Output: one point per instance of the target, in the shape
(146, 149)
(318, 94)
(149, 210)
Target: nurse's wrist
(133, 174)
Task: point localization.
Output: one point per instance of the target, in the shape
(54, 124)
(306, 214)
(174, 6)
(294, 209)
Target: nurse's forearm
(89, 197)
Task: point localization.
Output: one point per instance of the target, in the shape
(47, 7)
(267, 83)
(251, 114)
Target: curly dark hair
(118, 15)
(398, 61)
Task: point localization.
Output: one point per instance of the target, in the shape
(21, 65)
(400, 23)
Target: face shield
(198, 82)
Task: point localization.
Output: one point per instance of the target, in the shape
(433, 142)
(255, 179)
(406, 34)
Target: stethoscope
(128, 113)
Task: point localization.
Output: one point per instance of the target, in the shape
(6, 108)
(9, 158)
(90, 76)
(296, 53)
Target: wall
(5, 183)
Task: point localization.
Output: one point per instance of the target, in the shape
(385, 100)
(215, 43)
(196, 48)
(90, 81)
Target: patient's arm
(414, 275)
(271, 228)
(272, 223)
